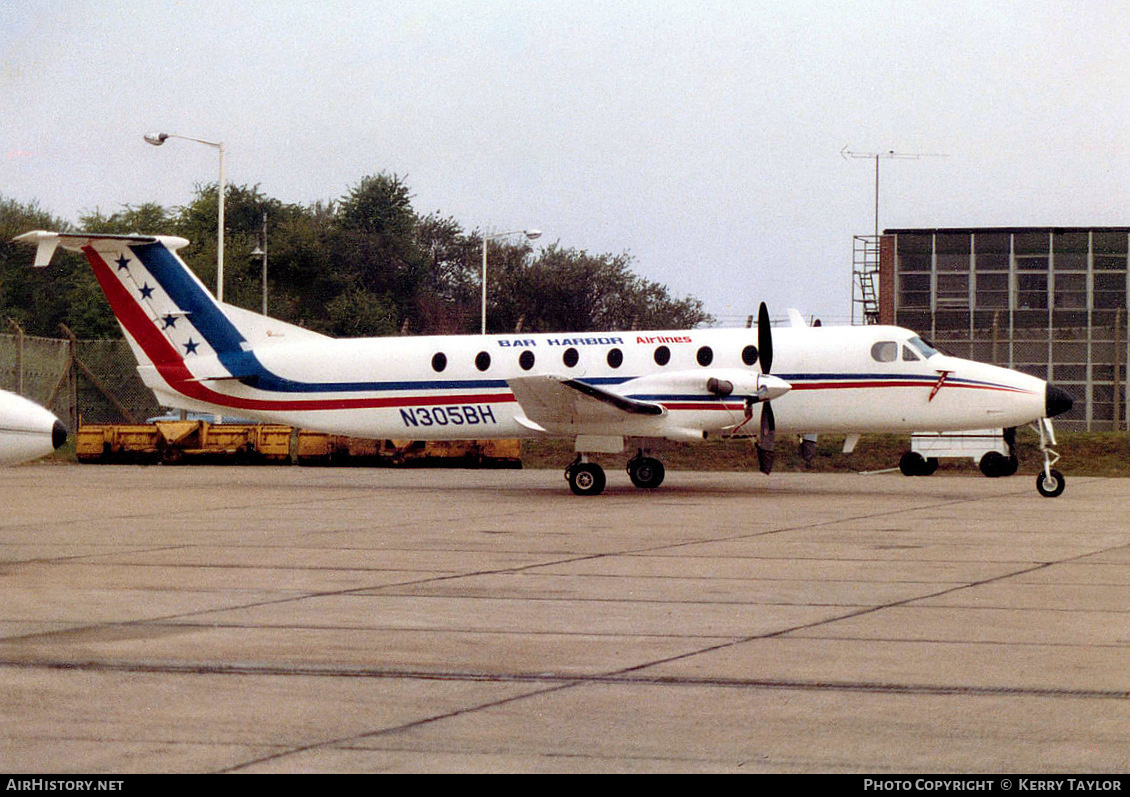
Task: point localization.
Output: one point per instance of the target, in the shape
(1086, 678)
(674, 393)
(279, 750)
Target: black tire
(912, 464)
(929, 467)
(586, 478)
(1050, 487)
(994, 464)
(646, 472)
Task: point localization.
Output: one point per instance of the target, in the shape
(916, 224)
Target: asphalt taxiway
(219, 619)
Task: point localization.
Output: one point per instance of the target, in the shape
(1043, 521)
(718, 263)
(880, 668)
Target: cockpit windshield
(925, 349)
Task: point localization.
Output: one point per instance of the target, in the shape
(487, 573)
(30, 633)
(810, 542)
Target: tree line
(366, 264)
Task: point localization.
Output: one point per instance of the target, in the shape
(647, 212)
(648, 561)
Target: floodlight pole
(157, 139)
(530, 236)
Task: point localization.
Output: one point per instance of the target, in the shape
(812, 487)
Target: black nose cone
(58, 435)
(1058, 402)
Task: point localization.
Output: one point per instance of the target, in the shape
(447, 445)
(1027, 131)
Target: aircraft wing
(556, 403)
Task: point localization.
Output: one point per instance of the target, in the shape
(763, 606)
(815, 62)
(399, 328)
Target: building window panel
(992, 299)
(1102, 373)
(953, 286)
(1032, 263)
(1030, 243)
(1070, 261)
(1030, 322)
(992, 262)
(1071, 291)
(914, 290)
(953, 262)
(1031, 291)
(1110, 263)
(1110, 290)
(953, 244)
(912, 243)
(1071, 242)
(914, 262)
(1109, 301)
(1069, 351)
(992, 243)
(1110, 242)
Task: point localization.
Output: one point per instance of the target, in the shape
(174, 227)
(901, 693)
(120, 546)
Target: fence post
(19, 355)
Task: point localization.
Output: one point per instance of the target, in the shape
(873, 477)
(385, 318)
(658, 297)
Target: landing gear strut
(1049, 482)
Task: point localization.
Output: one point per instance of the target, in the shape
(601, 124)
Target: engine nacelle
(717, 382)
(27, 430)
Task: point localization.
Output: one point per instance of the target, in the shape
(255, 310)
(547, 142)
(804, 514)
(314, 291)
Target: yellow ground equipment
(185, 441)
(316, 448)
(239, 444)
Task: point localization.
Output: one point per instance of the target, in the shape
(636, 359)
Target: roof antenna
(846, 153)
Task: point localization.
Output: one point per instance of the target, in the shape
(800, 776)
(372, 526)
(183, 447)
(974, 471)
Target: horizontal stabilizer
(46, 242)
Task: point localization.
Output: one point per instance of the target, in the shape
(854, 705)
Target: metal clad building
(1050, 301)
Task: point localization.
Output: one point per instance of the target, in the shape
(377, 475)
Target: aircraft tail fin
(178, 331)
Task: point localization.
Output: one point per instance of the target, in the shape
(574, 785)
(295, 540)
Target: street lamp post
(531, 235)
(262, 253)
(157, 139)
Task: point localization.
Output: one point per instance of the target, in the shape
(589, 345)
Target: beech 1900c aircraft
(598, 388)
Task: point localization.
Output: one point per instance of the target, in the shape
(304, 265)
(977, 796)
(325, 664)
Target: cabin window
(705, 356)
(482, 361)
(615, 358)
(439, 361)
(749, 355)
(662, 355)
(570, 357)
(885, 351)
(526, 360)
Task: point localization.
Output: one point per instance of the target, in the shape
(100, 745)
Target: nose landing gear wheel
(1050, 484)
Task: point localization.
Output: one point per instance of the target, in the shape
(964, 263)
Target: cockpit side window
(885, 351)
(908, 354)
(925, 349)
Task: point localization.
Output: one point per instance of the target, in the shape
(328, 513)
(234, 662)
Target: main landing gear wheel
(646, 472)
(1050, 484)
(914, 464)
(585, 478)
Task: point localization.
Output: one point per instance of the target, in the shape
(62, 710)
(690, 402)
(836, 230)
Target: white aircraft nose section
(771, 387)
(27, 430)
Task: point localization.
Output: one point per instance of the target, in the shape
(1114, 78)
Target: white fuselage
(390, 387)
(598, 387)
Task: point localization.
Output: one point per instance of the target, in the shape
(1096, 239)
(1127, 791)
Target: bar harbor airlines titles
(597, 389)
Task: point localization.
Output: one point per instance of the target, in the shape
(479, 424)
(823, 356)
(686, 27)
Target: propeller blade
(764, 339)
(766, 440)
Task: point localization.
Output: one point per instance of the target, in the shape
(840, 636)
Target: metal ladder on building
(864, 283)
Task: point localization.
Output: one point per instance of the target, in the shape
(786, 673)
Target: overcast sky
(703, 138)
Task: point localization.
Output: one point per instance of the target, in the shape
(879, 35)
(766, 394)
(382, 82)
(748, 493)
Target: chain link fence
(94, 381)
